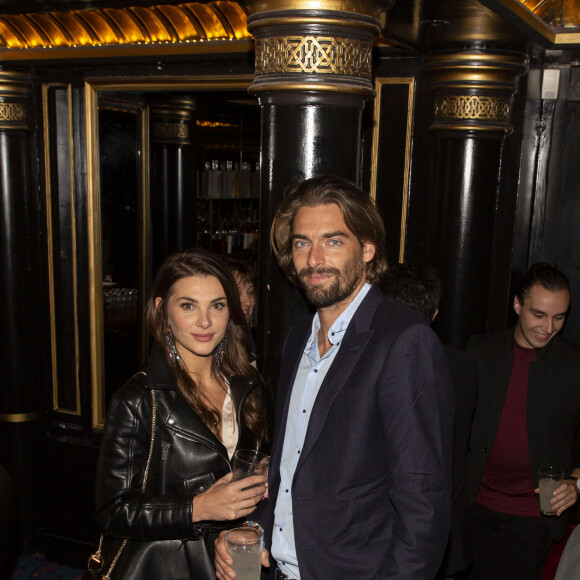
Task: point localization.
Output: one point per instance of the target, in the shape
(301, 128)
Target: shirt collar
(337, 330)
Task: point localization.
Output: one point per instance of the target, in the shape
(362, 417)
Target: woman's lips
(203, 337)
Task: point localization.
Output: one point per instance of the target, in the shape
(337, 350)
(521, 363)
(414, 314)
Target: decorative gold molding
(19, 417)
(313, 55)
(12, 112)
(379, 83)
(528, 17)
(135, 26)
(50, 237)
(474, 89)
(15, 95)
(472, 107)
(367, 7)
(170, 131)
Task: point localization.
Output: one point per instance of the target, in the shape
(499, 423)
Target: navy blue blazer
(371, 494)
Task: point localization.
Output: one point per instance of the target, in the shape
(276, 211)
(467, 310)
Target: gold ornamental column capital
(314, 46)
(171, 120)
(15, 101)
(474, 89)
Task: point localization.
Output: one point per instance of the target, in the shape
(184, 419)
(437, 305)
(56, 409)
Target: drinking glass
(248, 462)
(245, 547)
(549, 479)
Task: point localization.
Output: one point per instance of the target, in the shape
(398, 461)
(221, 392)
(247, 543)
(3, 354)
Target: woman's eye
(187, 306)
(219, 306)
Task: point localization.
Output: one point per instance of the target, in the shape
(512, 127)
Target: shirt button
(304, 410)
(298, 451)
(315, 370)
(286, 491)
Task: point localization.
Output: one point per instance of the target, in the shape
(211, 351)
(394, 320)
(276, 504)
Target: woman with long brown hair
(207, 403)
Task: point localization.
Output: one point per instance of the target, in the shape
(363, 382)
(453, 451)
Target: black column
(473, 95)
(24, 338)
(312, 78)
(172, 192)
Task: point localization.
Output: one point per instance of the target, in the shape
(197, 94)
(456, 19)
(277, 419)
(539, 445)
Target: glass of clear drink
(248, 462)
(245, 547)
(549, 479)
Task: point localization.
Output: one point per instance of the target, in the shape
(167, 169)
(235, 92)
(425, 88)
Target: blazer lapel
(355, 341)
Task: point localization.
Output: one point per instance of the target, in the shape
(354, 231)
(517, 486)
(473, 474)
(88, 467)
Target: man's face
(541, 316)
(328, 258)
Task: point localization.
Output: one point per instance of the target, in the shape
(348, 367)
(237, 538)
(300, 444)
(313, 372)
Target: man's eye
(299, 245)
(334, 242)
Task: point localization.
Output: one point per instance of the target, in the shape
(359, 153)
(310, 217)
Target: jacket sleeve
(417, 415)
(122, 509)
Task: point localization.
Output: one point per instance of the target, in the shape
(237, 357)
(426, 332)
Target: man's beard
(340, 289)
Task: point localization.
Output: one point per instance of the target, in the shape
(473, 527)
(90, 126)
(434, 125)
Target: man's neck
(328, 317)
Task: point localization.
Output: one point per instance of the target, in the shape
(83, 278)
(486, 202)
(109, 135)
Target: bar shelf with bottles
(228, 209)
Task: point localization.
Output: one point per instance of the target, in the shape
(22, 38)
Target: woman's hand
(227, 500)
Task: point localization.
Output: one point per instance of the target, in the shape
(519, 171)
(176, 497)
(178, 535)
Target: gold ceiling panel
(560, 13)
(154, 25)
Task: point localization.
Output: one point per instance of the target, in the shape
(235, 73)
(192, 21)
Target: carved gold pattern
(472, 107)
(12, 112)
(313, 54)
(170, 131)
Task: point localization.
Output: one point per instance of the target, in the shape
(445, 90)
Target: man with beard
(360, 473)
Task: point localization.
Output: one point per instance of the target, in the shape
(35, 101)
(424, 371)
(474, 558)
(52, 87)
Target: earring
(171, 348)
(218, 353)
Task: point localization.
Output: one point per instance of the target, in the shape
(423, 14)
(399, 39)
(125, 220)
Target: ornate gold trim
(314, 87)
(470, 128)
(170, 131)
(379, 83)
(366, 7)
(528, 22)
(192, 22)
(313, 55)
(474, 86)
(12, 112)
(15, 94)
(50, 234)
(19, 417)
(473, 107)
(293, 22)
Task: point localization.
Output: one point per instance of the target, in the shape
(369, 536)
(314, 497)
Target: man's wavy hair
(358, 211)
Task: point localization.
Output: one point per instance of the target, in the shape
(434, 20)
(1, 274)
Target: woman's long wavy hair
(358, 211)
(235, 358)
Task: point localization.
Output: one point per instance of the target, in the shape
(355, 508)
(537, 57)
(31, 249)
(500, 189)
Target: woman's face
(247, 296)
(198, 315)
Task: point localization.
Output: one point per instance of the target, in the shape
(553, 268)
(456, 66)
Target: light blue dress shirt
(311, 373)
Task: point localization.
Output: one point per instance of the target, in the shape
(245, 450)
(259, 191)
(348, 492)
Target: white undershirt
(229, 426)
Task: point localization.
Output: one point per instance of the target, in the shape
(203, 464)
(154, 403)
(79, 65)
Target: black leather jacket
(187, 459)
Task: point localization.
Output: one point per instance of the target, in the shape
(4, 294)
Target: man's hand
(223, 560)
(565, 496)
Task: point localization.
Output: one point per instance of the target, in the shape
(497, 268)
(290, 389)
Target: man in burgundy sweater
(527, 416)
